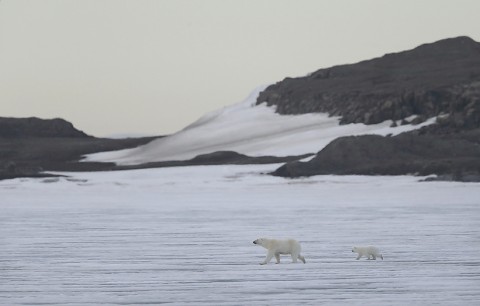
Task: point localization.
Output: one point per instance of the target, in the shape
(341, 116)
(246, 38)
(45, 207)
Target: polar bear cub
(280, 247)
(368, 251)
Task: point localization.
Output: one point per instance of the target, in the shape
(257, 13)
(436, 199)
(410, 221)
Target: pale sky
(152, 67)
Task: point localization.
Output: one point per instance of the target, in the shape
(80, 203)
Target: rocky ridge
(450, 156)
(36, 127)
(440, 79)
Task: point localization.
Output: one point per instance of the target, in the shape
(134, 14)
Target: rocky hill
(36, 127)
(29, 146)
(440, 79)
(450, 156)
(432, 79)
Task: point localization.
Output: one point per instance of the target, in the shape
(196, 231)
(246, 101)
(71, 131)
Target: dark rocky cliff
(432, 79)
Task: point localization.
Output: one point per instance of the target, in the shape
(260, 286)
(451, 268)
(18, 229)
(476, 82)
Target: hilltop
(433, 79)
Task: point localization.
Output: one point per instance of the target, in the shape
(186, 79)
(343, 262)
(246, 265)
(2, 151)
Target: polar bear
(369, 251)
(280, 247)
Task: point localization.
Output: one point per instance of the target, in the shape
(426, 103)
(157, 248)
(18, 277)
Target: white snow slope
(183, 236)
(251, 130)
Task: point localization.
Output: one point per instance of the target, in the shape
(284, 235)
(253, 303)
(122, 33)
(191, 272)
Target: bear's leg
(359, 256)
(373, 257)
(294, 257)
(268, 258)
(301, 258)
(277, 257)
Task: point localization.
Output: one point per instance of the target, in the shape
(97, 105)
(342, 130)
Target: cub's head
(260, 241)
(354, 249)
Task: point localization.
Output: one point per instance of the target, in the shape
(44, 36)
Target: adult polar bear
(280, 247)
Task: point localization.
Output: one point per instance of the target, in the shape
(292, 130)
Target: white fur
(368, 251)
(280, 247)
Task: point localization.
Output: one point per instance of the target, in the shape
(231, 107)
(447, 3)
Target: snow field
(183, 236)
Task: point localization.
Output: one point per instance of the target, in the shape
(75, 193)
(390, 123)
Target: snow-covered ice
(250, 129)
(184, 236)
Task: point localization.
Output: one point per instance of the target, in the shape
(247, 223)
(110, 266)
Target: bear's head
(259, 241)
(354, 249)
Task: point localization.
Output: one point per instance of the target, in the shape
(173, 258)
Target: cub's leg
(277, 257)
(359, 256)
(301, 258)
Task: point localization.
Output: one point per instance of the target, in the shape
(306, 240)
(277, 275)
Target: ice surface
(252, 130)
(184, 236)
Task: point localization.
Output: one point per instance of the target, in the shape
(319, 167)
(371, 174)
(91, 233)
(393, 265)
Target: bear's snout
(255, 242)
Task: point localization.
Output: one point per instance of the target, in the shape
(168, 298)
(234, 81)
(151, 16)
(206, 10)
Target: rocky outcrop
(10, 170)
(28, 147)
(35, 127)
(450, 155)
(441, 78)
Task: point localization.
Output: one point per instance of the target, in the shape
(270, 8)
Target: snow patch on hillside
(250, 129)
